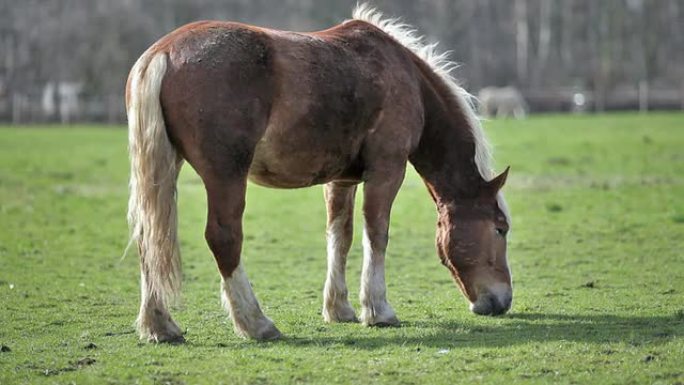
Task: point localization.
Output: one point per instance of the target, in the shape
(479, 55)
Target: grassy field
(596, 253)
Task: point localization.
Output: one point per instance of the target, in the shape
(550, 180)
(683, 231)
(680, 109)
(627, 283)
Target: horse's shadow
(521, 328)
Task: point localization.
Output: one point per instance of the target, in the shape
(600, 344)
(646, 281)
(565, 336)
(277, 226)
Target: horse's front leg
(379, 193)
(339, 201)
(226, 200)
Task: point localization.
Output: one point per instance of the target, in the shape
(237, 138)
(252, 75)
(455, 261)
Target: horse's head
(471, 242)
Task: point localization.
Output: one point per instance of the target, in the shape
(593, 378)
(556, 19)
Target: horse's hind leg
(340, 204)
(226, 200)
(154, 321)
(160, 264)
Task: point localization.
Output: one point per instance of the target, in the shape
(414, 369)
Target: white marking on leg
(336, 307)
(239, 300)
(375, 308)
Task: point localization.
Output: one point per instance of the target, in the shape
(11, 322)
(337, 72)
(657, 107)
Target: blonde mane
(440, 63)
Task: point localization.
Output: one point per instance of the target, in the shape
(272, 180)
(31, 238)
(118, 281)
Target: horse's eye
(501, 231)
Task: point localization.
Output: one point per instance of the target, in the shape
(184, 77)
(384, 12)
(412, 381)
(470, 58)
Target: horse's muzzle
(491, 304)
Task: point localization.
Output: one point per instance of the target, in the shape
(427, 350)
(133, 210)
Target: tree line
(57, 52)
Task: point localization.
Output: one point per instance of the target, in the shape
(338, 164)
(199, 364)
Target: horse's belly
(277, 165)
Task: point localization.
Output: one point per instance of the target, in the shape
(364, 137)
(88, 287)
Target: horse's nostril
(494, 305)
(500, 307)
(508, 303)
(485, 305)
(497, 307)
(490, 304)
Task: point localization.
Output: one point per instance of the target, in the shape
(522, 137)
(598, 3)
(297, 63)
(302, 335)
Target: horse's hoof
(387, 323)
(166, 338)
(260, 330)
(160, 330)
(341, 315)
(174, 340)
(350, 319)
(268, 334)
(394, 323)
(380, 320)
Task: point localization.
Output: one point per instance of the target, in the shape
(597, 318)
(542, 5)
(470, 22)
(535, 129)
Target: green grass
(596, 253)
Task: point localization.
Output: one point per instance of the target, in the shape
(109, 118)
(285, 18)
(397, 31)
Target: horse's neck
(445, 157)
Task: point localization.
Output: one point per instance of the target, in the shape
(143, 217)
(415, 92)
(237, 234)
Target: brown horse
(338, 107)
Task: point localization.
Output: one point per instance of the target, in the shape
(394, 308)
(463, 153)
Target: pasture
(596, 253)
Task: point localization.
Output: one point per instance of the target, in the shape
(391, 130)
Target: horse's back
(329, 94)
(294, 108)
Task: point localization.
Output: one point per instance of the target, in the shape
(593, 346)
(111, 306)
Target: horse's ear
(494, 185)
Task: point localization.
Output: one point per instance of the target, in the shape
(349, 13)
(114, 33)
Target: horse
(348, 105)
(504, 102)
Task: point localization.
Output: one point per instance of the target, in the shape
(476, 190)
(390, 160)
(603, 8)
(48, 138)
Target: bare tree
(547, 48)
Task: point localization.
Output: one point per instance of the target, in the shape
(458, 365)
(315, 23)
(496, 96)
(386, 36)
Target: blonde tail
(155, 165)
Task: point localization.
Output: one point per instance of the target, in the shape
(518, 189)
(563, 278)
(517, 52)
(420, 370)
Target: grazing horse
(338, 107)
(504, 102)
